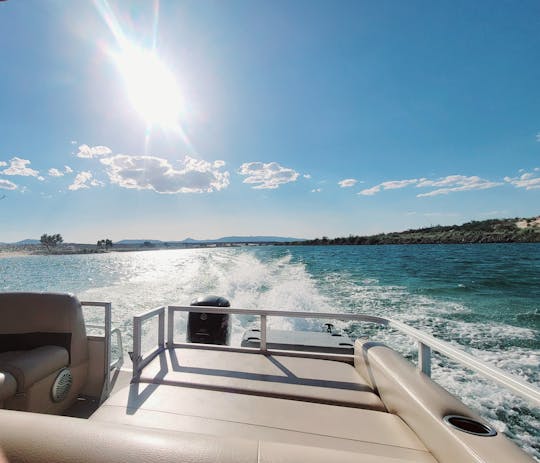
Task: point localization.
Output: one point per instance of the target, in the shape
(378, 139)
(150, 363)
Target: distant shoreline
(9, 253)
(516, 230)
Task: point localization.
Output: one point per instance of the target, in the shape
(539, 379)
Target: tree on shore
(107, 243)
(51, 241)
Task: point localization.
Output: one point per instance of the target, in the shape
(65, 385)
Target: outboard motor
(209, 328)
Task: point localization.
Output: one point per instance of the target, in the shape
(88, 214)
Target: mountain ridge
(224, 239)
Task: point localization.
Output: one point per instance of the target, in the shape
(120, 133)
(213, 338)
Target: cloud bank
(18, 166)
(267, 175)
(527, 180)
(448, 184)
(159, 175)
(453, 183)
(390, 185)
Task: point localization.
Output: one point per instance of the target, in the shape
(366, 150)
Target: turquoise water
(485, 298)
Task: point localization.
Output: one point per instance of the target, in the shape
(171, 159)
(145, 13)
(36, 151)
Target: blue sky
(210, 118)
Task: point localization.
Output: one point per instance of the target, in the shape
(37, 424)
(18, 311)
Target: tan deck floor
(311, 380)
(247, 414)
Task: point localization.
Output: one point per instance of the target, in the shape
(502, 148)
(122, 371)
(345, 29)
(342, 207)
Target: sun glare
(151, 86)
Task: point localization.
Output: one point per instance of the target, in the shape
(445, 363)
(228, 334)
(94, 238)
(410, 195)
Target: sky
(175, 119)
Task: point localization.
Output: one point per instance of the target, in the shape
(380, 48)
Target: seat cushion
(31, 320)
(28, 367)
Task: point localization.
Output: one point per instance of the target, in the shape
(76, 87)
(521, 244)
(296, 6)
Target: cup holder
(469, 425)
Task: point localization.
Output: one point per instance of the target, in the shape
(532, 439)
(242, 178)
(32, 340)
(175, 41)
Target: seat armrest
(31, 366)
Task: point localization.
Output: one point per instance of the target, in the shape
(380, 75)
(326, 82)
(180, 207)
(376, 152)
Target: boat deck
(306, 379)
(264, 398)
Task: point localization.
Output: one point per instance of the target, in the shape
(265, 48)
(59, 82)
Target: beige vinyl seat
(40, 335)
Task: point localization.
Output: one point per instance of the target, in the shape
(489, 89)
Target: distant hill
(137, 242)
(225, 239)
(26, 242)
(253, 239)
(486, 231)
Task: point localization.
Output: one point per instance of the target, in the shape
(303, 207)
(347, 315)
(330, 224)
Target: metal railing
(107, 335)
(426, 343)
(139, 360)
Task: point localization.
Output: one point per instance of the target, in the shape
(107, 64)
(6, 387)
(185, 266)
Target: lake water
(485, 298)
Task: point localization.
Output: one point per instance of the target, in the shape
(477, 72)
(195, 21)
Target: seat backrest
(30, 320)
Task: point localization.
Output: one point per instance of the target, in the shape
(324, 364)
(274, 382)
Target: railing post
(161, 329)
(263, 333)
(136, 345)
(108, 350)
(424, 358)
(170, 327)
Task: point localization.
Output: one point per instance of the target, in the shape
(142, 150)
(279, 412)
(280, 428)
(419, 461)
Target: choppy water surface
(485, 298)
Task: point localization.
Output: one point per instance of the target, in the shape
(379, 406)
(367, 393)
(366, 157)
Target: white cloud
(55, 172)
(68, 170)
(370, 191)
(527, 180)
(316, 190)
(538, 137)
(86, 151)
(390, 185)
(7, 185)
(396, 184)
(84, 180)
(448, 184)
(454, 183)
(308, 176)
(2, 163)
(73, 142)
(347, 182)
(157, 174)
(18, 166)
(267, 175)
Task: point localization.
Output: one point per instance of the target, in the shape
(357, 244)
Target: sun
(151, 86)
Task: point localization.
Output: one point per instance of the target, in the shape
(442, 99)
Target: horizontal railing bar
(95, 304)
(282, 313)
(150, 313)
(256, 350)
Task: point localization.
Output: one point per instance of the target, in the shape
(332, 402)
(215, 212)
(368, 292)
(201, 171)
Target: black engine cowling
(209, 328)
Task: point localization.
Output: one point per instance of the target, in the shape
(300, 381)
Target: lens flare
(150, 85)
